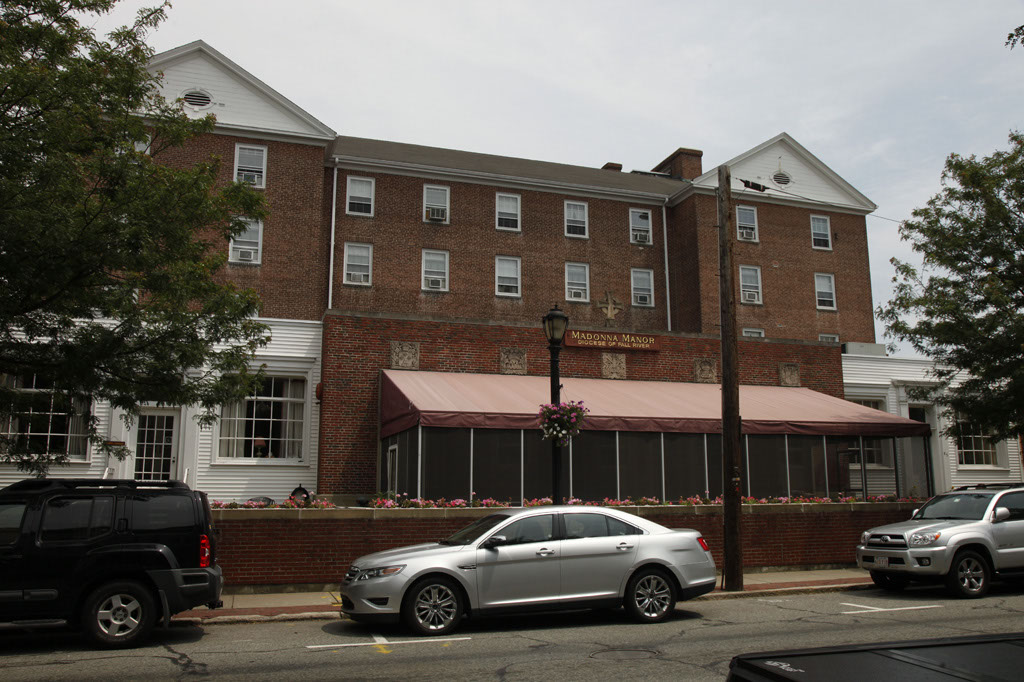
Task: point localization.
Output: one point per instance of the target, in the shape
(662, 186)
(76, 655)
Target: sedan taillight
(204, 551)
(703, 543)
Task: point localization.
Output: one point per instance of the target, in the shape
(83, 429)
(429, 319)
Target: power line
(763, 188)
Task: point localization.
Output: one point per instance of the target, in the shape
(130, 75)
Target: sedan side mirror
(494, 541)
(1001, 514)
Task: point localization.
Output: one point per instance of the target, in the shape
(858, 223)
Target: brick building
(381, 258)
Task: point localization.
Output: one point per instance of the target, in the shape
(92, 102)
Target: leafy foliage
(109, 259)
(965, 307)
(1015, 37)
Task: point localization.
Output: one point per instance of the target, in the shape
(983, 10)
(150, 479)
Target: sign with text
(623, 340)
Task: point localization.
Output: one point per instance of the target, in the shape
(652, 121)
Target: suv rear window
(11, 514)
(67, 519)
(163, 513)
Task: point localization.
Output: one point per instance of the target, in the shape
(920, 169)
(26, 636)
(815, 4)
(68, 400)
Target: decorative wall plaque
(789, 374)
(405, 355)
(705, 371)
(513, 361)
(611, 307)
(613, 365)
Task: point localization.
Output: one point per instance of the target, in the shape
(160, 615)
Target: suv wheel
(650, 596)
(969, 575)
(433, 606)
(889, 582)
(119, 614)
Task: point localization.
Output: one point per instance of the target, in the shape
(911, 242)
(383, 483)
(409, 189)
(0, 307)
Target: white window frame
(423, 270)
(988, 447)
(519, 277)
(753, 332)
(576, 287)
(586, 219)
(263, 171)
(832, 280)
(635, 231)
(739, 227)
(349, 247)
(447, 204)
(828, 338)
(760, 285)
(828, 232)
(348, 196)
(519, 212)
(77, 430)
(634, 293)
(235, 248)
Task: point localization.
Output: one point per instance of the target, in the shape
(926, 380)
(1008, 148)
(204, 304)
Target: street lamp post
(555, 324)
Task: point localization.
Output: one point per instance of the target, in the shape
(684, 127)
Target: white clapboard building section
(871, 378)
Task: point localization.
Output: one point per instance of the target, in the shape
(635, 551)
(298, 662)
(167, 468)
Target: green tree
(1015, 37)
(109, 259)
(965, 306)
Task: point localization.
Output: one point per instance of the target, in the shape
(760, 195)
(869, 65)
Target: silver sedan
(532, 559)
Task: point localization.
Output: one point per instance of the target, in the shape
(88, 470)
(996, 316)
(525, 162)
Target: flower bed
(405, 502)
(287, 504)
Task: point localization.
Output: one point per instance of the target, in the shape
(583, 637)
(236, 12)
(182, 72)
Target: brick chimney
(612, 166)
(682, 163)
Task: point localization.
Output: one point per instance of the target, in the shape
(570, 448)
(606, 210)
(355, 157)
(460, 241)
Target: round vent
(197, 99)
(781, 178)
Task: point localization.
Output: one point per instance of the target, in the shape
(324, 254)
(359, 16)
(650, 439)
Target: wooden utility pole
(732, 570)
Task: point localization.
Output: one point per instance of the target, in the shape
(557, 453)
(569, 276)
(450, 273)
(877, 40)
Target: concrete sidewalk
(241, 608)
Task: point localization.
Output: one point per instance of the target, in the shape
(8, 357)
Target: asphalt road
(696, 644)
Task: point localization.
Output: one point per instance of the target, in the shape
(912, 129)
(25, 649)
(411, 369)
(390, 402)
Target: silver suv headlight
(382, 572)
(864, 537)
(924, 539)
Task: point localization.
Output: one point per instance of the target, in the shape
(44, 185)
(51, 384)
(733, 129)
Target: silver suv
(963, 537)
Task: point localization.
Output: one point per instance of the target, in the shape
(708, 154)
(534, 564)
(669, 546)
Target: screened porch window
(269, 424)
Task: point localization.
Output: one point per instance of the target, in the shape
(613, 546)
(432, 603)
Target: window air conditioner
(577, 293)
(643, 299)
(250, 178)
(359, 277)
(246, 254)
(435, 283)
(751, 297)
(640, 237)
(747, 234)
(437, 213)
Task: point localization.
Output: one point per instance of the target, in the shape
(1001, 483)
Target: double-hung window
(643, 287)
(577, 282)
(251, 164)
(825, 290)
(746, 223)
(750, 284)
(40, 421)
(435, 270)
(508, 276)
(507, 212)
(973, 445)
(271, 423)
(576, 219)
(360, 196)
(639, 226)
(436, 204)
(358, 264)
(247, 247)
(821, 232)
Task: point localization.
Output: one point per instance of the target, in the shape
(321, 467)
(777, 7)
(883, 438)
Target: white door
(156, 446)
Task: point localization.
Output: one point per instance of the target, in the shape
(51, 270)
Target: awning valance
(489, 401)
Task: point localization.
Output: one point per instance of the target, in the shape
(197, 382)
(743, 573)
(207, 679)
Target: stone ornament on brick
(611, 307)
(405, 355)
(613, 365)
(705, 371)
(513, 361)
(789, 374)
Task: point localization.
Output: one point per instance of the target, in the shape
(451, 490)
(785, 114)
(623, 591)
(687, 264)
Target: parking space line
(378, 641)
(876, 609)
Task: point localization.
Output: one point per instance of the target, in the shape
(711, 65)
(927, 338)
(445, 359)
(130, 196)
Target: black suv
(112, 556)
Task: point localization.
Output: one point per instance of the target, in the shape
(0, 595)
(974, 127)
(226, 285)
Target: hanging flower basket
(562, 421)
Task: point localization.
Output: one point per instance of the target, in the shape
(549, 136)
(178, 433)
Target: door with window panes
(156, 445)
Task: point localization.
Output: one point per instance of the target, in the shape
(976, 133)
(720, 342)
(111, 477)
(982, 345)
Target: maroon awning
(489, 401)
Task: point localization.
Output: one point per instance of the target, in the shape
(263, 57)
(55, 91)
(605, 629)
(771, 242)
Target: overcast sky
(881, 92)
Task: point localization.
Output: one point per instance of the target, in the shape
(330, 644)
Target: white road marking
(876, 609)
(384, 641)
(379, 639)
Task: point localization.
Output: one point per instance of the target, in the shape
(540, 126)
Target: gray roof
(455, 161)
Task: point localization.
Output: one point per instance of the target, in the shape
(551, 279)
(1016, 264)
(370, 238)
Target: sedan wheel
(650, 596)
(433, 606)
(969, 576)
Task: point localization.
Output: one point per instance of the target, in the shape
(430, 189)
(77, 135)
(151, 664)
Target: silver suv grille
(883, 541)
(353, 571)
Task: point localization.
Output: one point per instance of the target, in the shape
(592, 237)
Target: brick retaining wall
(282, 547)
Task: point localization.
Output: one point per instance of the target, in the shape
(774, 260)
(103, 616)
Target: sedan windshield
(473, 531)
(970, 506)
